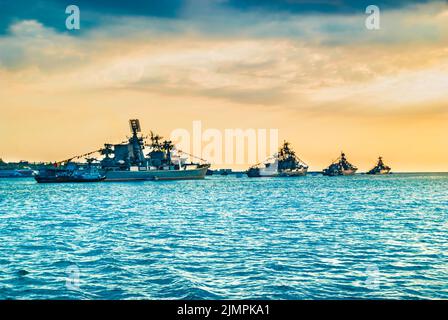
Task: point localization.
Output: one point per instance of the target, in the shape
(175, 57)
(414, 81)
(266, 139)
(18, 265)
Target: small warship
(16, 170)
(340, 167)
(70, 173)
(380, 168)
(285, 163)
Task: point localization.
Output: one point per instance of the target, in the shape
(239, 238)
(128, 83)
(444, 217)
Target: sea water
(315, 237)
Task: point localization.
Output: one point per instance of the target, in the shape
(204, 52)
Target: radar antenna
(135, 126)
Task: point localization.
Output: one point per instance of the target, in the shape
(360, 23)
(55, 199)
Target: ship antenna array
(337, 159)
(78, 157)
(300, 160)
(194, 157)
(85, 155)
(267, 159)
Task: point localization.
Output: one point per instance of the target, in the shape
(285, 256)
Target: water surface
(226, 237)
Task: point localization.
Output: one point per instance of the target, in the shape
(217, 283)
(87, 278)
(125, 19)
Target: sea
(226, 237)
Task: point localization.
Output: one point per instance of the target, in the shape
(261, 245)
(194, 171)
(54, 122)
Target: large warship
(380, 168)
(162, 162)
(285, 163)
(126, 161)
(340, 167)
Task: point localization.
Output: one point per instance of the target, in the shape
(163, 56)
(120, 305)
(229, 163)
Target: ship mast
(136, 143)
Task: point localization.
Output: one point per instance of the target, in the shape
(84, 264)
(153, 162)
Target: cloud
(409, 90)
(52, 12)
(304, 62)
(31, 44)
(318, 6)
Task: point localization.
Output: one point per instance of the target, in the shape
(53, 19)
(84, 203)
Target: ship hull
(381, 172)
(188, 174)
(297, 173)
(284, 174)
(66, 179)
(253, 173)
(16, 173)
(349, 172)
(10, 174)
(335, 173)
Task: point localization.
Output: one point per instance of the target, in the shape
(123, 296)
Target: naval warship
(340, 167)
(380, 168)
(71, 172)
(16, 170)
(127, 161)
(285, 163)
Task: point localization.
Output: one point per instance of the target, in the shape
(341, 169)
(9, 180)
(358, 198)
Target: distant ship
(380, 168)
(15, 170)
(16, 173)
(340, 167)
(285, 163)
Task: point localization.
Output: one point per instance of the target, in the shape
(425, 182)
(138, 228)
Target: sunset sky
(308, 68)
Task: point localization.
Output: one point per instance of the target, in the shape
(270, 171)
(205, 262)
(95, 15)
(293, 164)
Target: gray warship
(285, 163)
(71, 172)
(127, 161)
(380, 168)
(340, 167)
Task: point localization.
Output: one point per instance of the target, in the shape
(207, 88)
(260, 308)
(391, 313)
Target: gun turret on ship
(163, 162)
(340, 167)
(380, 168)
(285, 163)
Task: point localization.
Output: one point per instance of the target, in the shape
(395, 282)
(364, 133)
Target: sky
(310, 69)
